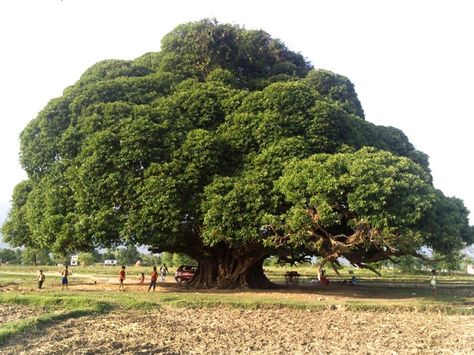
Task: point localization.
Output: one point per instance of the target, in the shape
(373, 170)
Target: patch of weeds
(138, 304)
(57, 308)
(11, 329)
(432, 308)
(169, 298)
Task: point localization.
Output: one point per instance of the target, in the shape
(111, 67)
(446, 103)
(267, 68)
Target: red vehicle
(184, 274)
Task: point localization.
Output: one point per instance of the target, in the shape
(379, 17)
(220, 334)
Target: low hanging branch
(365, 266)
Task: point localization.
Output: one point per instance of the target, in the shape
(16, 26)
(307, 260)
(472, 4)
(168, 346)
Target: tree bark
(224, 267)
(229, 268)
(206, 274)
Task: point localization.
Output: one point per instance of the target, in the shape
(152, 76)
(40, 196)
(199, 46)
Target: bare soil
(11, 313)
(226, 330)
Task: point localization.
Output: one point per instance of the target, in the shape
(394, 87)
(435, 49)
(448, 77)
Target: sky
(412, 62)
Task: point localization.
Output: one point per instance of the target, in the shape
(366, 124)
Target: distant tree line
(124, 256)
(412, 264)
(406, 264)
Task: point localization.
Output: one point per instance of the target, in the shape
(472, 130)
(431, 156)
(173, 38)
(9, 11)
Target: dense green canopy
(228, 147)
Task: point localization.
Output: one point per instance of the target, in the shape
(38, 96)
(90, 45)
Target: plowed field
(224, 330)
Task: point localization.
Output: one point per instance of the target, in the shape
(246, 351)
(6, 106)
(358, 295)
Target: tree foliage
(88, 258)
(128, 255)
(228, 147)
(11, 256)
(35, 257)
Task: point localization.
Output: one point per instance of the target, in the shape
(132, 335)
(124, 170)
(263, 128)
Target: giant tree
(228, 147)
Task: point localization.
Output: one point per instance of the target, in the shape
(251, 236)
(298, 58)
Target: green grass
(102, 301)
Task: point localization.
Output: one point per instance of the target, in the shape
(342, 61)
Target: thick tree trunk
(249, 275)
(206, 274)
(224, 267)
(232, 270)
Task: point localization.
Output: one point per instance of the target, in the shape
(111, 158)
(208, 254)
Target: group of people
(164, 271)
(324, 280)
(153, 277)
(65, 273)
(64, 278)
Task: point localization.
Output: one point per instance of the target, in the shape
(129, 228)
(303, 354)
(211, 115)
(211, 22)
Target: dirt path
(235, 331)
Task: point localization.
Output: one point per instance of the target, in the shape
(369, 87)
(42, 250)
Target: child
(122, 279)
(153, 278)
(64, 280)
(41, 278)
(142, 279)
(323, 280)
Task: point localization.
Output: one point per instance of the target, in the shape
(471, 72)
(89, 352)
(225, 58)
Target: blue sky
(411, 61)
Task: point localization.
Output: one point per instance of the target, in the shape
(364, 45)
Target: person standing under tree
(41, 278)
(65, 280)
(153, 278)
(122, 279)
(163, 272)
(433, 282)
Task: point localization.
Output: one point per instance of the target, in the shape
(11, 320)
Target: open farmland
(264, 331)
(378, 317)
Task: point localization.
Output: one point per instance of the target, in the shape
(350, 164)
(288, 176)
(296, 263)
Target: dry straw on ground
(234, 331)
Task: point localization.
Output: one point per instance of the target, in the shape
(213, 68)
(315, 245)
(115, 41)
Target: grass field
(92, 296)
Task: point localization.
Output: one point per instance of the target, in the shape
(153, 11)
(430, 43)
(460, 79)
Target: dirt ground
(225, 330)
(10, 313)
(262, 331)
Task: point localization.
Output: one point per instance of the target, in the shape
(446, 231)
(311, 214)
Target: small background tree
(11, 256)
(128, 255)
(87, 258)
(31, 256)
